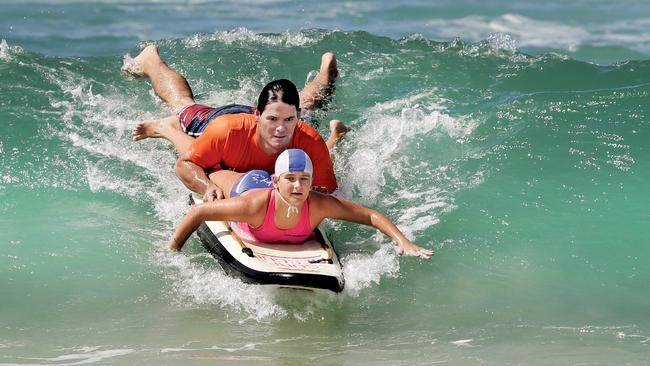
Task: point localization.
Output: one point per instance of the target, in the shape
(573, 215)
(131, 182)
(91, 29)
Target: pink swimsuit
(269, 233)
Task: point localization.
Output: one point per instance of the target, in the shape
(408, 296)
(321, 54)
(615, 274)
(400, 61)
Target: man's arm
(194, 178)
(202, 154)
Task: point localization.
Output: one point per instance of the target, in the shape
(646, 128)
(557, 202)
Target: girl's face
(275, 126)
(294, 186)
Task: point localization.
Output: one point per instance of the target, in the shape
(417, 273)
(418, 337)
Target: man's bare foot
(328, 70)
(167, 128)
(337, 130)
(136, 66)
(147, 129)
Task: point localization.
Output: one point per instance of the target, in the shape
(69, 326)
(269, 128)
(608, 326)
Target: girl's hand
(409, 248)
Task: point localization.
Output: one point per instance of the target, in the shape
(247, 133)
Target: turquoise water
(517, 151)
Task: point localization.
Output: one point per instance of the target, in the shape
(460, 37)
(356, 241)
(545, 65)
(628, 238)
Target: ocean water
(510, 137)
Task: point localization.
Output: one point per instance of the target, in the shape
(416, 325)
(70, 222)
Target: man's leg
(317, 92)
(168, 84)
(167, 128)
(172, 88)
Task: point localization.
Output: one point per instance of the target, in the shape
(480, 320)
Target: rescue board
(311, 265)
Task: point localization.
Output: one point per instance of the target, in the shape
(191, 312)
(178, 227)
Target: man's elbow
(180, 167)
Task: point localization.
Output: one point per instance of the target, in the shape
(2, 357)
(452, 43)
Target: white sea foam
(197, 281)
(500, 41)
(422, 213)
(463, 342)
(209, 285)
(619, 332)
(380, 152)
(246, 93)
(4, 51)
(373, 74)
(7, 51)
(393, 126)
(365, 270)
(86, 355)
(245, 347)
(432, 194)
(96, 124)
(247, 36)
(100, 180)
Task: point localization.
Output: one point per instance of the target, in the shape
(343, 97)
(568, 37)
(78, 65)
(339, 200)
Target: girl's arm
(236, 209)
(342, 209)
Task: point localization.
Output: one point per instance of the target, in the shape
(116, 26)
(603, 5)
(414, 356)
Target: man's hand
(194, 178)
(213, 193)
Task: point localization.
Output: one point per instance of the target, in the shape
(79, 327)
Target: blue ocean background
(510, 137)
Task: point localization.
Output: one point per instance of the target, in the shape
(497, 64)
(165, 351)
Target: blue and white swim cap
(293, 160)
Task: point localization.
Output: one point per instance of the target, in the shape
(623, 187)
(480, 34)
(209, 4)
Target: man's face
(275, 127)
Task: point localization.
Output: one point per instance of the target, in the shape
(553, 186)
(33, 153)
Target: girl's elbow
(197, 213)
(193, 218)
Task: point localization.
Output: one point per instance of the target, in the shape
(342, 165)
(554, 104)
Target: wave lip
(243, 35)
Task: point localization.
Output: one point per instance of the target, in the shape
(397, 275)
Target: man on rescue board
(237, 137)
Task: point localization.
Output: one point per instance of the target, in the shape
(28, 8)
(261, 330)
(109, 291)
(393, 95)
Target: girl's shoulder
(322, 200)
(315, 196)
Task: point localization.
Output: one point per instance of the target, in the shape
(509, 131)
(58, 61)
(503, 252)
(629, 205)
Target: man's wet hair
(281, 90)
